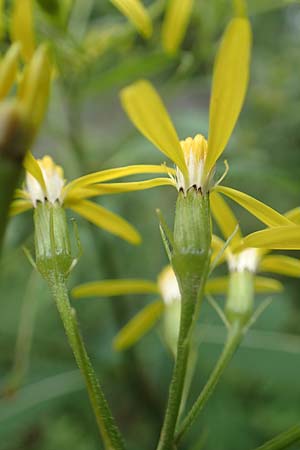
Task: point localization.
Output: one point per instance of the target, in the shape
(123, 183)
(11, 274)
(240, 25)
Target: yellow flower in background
(177, 17)
(30, 87)
(175, 23)
(9, 67)
(166, 306)
(45, 183)
(138, 15)
(22, 27)
(240, 255)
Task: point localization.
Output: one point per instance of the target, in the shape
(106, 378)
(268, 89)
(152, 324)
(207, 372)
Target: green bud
(192, 237)
(52, 241)
(191, 253)
(240, 299)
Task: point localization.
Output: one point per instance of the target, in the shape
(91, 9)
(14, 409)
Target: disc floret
(195, 152)
(52, 189)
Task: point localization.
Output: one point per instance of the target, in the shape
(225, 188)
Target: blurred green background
(86, 130)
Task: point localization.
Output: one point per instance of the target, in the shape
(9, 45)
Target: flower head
(52, 188)
(195, 162)
(242, 254)
(45, 183)
(195, 152)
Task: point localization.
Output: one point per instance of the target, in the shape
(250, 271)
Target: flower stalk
(190, 261)
(108, 430)
(238, 312)
(283, 440)
(233, 340)
(54, 262)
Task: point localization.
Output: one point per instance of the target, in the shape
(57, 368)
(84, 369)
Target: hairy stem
(108, 429)
(283, 440)
(233, 340)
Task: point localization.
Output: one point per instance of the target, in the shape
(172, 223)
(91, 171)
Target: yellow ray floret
(22, 29)
(108, 288)
(230, 81)
(278, 238)
(135, 11)
(8, 69)
(138, 326)
(220, 285)
(148, 113)
(281, 264)
(264, 213)
(175, 23)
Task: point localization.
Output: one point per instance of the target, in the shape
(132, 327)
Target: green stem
(190, 261)
(233, 340)
(283, 440)
(108, 429)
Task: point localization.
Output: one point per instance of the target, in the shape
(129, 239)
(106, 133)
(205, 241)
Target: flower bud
(52, 241)
(240, 299)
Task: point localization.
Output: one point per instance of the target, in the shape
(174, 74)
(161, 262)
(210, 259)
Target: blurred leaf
(262, 6)
(128, 70)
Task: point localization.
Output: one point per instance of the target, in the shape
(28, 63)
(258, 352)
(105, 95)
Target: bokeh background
(43, 404)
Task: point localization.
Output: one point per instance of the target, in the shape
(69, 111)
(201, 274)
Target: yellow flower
(22, 27)
(45, 183)
(135, 11)
(242, 253)
(32, 90)
(175, 24)
(166, 306)
(194, 156)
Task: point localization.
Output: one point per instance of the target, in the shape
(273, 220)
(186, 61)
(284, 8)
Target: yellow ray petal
(9, 69)
(148, 113)
(220, 285)
(294, 215)
(31, 166)
(138, 326)
(230, 80)
(118, 172)
(264, 213)
(116, 188)
(22, 29)
(109, 288)
(35, 86)
(175, 23)
(267, 285)
(284, 265)
(217, 246)
(224, 217)
(19, 206)
(278, 238)
(217, 243)
(240, 8)
(107, 220)
(137, 14)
